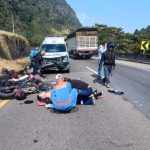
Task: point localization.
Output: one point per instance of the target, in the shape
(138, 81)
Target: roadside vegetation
(36, 19)
(125, 42)
(13, 46)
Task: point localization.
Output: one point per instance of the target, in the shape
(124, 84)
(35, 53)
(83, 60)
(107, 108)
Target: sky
(127, 14)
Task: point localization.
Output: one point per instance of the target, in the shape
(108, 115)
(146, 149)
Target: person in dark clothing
(85, 91)
(36, 61)
(108, 60)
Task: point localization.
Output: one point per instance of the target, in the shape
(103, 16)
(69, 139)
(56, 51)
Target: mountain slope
(35, 19)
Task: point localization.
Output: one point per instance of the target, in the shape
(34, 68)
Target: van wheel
(68, 71)
(42, 70)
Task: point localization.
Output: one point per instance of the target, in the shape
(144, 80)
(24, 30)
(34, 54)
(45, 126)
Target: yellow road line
(3, 103)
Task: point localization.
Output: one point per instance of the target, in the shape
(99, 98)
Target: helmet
(111, 45)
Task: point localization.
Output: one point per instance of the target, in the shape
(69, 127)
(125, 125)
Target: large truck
(56, 56)
(83, 42)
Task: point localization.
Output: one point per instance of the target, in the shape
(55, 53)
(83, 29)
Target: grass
(11, 43)
(16, 65)
(13, 35)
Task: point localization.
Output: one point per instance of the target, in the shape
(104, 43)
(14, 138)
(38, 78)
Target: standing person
(36, 60)
(101, 50)
(108, 60)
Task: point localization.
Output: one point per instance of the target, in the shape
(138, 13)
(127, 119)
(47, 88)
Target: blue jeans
(35, 65)
(101, 70)
(83, 95)
(107, 72)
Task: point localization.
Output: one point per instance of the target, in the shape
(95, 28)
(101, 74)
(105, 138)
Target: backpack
(64, 98)
(19, 94)
(33, 54)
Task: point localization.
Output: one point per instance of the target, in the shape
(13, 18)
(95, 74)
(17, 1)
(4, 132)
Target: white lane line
(91, 70)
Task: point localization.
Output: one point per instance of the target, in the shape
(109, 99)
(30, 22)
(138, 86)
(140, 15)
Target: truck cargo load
(83, 42)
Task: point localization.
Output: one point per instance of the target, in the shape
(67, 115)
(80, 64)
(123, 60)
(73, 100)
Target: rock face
(35, 19)
(13, 46)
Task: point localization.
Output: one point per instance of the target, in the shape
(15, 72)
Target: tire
(68, 71)
(42, 70)
(5, 95)
(88, 57)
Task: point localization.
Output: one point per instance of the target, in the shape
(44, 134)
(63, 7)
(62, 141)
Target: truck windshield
(54, 47)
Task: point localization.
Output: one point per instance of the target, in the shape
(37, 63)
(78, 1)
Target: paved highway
(134, 79)
(113, 123)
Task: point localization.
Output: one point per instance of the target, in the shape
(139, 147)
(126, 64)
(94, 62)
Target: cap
(59, 76)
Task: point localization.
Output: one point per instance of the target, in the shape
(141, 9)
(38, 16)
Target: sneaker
(108, 86)
(48, 105)
(81, 102)
(95, 91)
(98, 95)
(94, 103)
(102, 77)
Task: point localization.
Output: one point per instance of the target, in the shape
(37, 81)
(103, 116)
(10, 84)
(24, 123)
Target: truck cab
(56, 54)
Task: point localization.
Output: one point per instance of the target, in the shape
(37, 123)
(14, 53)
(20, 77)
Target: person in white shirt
(101, 50)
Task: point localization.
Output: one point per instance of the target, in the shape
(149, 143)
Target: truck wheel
(89, 56)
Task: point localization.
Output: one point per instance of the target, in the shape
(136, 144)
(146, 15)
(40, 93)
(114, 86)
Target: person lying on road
(62, 97)
(85, 92)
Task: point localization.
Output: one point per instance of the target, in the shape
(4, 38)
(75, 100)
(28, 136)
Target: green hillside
(35, 19)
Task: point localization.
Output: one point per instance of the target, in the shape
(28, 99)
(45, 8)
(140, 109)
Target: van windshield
(54, 47)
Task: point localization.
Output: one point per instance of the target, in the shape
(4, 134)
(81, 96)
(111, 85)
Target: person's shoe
(94, 103)
(102, 77)
(48, 105)
(98, 95)
(95, 91)
(81, 103)
(108, 86)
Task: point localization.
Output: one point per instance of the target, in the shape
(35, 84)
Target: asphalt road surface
(113, 123)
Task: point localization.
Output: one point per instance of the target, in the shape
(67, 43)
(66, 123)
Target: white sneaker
(81, 102)
(108, 86)
(94, 102)
(48, 105)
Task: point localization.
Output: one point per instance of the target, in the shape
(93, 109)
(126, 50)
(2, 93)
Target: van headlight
(66, 59)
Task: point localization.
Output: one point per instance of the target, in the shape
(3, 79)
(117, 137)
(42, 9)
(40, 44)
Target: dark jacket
(108, 57)
(78, 84)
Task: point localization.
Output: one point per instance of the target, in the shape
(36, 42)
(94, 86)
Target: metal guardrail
(142, 58)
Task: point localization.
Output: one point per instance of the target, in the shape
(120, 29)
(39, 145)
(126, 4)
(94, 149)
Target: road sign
(145, 45)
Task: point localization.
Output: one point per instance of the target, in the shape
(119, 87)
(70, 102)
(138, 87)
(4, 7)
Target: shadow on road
(27, 102)
(79, 58)
(96, 80)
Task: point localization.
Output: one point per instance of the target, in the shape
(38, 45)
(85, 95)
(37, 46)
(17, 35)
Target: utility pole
(13, 23)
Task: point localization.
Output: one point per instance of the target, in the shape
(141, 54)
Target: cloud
(85, 19)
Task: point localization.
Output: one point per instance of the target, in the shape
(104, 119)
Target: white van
(56, 56)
